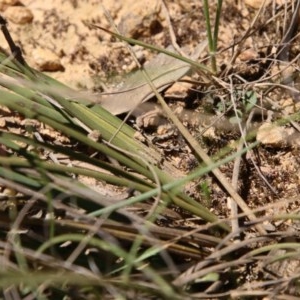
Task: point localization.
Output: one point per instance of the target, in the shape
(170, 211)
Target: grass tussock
(89, 211)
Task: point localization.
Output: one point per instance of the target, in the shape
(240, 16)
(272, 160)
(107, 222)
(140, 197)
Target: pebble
(46, 60)
(248, 54)
(9, 2)
(137, 17)
(178, 90)
(18, 15)
(273, 135)
(254, 3)
(257, 3)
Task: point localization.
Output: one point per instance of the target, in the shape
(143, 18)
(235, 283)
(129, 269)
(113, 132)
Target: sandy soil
(58, 39)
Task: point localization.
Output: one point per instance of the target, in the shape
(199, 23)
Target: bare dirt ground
(56, 38)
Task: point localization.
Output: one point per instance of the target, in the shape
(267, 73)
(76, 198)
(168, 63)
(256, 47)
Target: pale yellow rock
(257, 3)
(272, 135)
(254, 3)
(138, 17)
(248, 54)
(9, 2)
(18, 15)
(2, 122)
(46, 60)
(178, 90)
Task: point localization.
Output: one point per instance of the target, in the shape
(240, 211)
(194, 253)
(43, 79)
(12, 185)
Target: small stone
(138, 136)
(139, 18)
(46, 60)
(151, 118)
(248, 54)
(2, 122)
(257, 3)
(178, 90)
(272, 135)
(9, 2)
(210, 133)
(18, 15)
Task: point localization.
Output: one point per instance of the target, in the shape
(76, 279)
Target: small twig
(41, 140)
(15, 50)
(284, 50)
(232, 205)
(171, 30)
(243, 132)
(241, 41)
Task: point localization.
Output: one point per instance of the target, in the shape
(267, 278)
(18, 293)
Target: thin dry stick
(171, 30)
(255, 164)
(232, 205)
(274, 104)
(235, 175)
(283, 53)
(243, 130)
(244, 140)
(197, 271)
(250, 31)
(15, 50)
(246, 35)
(238, 161)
